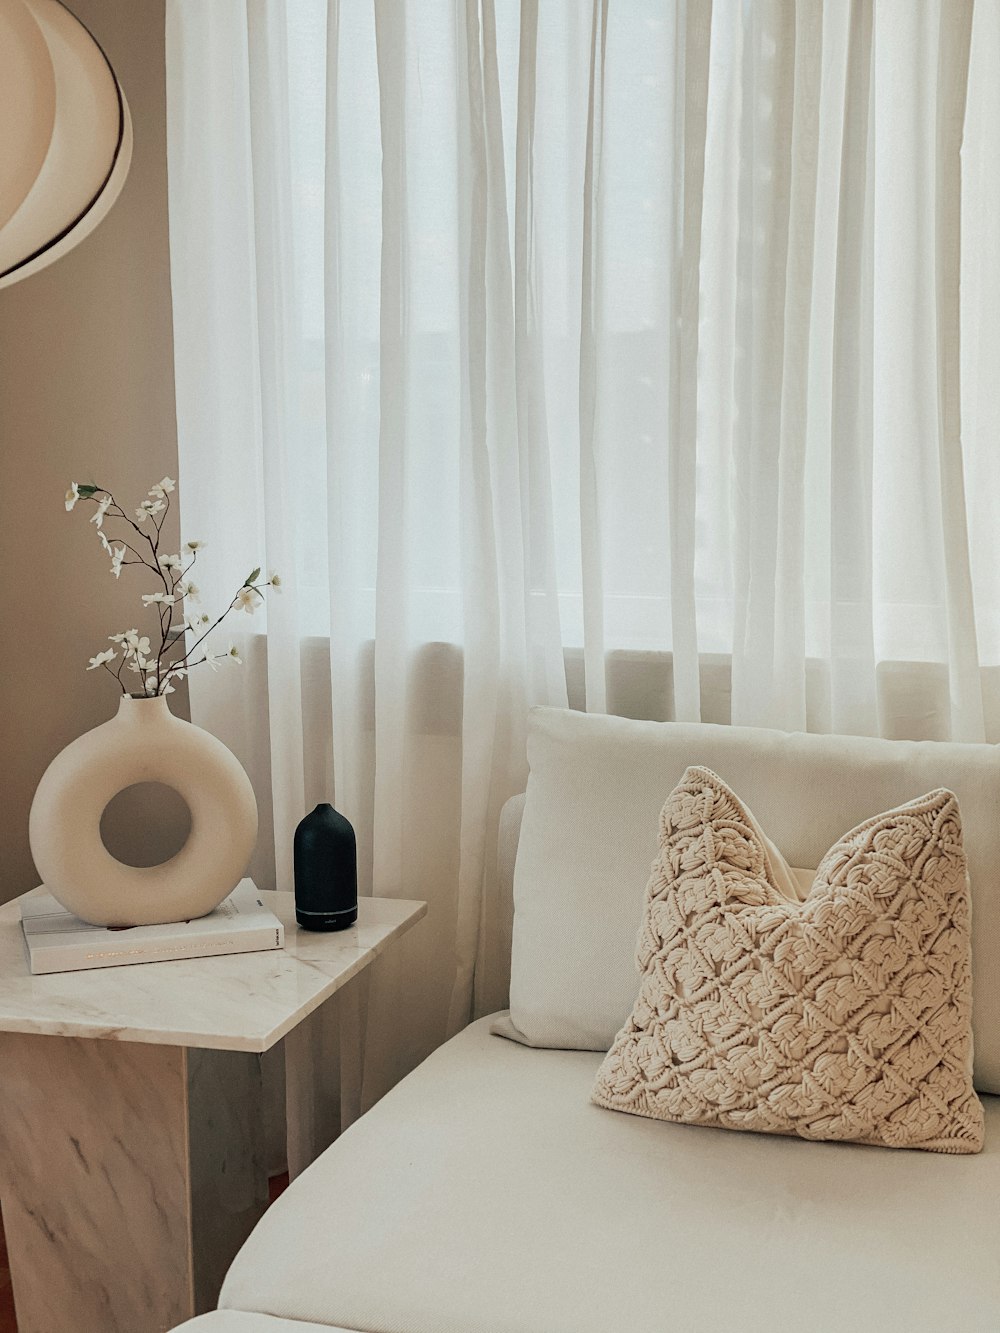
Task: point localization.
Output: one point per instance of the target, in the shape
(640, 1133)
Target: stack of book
(57, 941)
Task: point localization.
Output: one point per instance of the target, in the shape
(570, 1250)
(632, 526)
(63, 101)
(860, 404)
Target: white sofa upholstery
(486, 1194)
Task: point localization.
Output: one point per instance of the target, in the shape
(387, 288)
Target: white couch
(487, 1193)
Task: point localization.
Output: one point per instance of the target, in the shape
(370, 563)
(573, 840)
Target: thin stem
(255, 588)
(116, 511)
(116, 675)
(202, 637)
(166, 611)
(169, 578)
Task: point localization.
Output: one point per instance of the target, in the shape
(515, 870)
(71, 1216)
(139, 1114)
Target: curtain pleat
(486, 428)
(540, 592)
(270, 143)
(692, 47)
(954, 38)
(639, 358)
(786, 652)
(591, 374)
(851, 618)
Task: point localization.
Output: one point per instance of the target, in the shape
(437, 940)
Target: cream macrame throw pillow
(843, 1016)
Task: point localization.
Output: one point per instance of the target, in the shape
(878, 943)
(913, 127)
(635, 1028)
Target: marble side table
(131, 1114)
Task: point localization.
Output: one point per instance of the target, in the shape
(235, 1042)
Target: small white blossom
(117, 557)
(103, 505)
(170, 562)
(136, 642)
(150, 598)
(162, 487)
(108, 655)
(194, 546)
(148, 508)
(105, 543)
(234, 654)
(275, 581)
(189, 589)
(72, 495)
(117, 638)
(246, 600)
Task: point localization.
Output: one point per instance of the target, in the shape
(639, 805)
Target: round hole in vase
(145, 824)
(143, 743)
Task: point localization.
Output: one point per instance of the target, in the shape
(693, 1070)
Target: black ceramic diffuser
(326, 871)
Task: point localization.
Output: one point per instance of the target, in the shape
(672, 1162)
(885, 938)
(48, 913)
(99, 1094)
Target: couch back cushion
(589, 837)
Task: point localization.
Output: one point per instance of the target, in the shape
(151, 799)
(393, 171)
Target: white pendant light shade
(65, 135)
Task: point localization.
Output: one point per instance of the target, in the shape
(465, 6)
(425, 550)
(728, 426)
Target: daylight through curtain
(637, 355)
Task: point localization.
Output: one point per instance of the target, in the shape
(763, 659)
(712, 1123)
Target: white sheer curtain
(641, 355)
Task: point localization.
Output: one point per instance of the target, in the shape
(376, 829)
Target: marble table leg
(324, 1063)
(312, 1084)
(130, 1174)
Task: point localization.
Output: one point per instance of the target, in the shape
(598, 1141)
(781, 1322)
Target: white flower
(170, 562)
(136, 642)
(103, 505)
(108, 655)
(162, 487)
(232, 655)
(187, 588)
(203, 619)
(117, 556)
(117, 638)
(104, 542)
(275, 581)
(215, 659)
(163, 597)
(72, 495)
(194, 546)
(149, 507)
(246, 600)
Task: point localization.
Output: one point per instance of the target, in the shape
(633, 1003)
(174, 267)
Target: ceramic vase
(144, 742)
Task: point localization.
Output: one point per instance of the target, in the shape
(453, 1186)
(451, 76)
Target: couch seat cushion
(241, 1321)
(487, 1193)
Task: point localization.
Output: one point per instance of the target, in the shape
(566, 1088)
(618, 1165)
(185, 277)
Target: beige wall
(86, 391)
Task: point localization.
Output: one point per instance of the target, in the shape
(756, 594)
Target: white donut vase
(144, 742)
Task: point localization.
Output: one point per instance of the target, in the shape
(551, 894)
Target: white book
(57, 941)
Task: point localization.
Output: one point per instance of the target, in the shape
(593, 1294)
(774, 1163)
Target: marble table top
(233, 1002)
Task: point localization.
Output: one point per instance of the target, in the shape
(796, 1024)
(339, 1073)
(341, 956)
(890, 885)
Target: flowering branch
(157, 669)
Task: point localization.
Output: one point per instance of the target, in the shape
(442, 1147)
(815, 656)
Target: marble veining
(237, 1002)
(131, 1174)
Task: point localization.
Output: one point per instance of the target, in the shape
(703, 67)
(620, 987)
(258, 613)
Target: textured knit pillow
(844, 1016)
